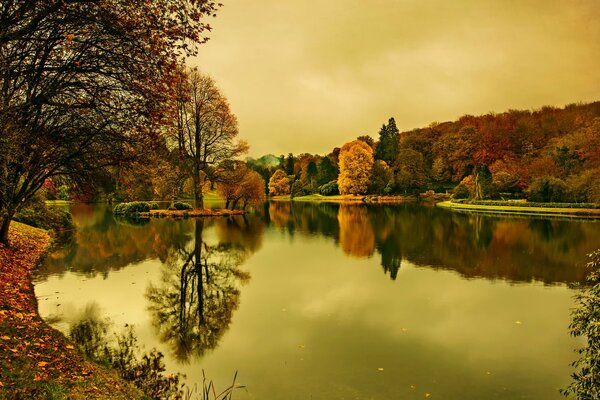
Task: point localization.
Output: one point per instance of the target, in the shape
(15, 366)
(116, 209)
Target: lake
(329, 301)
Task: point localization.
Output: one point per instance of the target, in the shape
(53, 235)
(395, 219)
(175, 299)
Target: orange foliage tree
(356, 164)
(279, 184)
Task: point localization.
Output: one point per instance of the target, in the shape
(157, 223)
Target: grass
(546, 209)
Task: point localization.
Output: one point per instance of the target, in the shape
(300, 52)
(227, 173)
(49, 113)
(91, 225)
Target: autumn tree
(81, 83)
(238, 183)
(206, 130)
(356, 164)
(410, 173)
(279, 184)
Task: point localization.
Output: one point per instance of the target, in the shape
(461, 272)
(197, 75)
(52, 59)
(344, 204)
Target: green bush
(37, 214)
(548, 189)
(461, 192)
(329, 189)
(180, 205)
(131, 208)
(154, 205)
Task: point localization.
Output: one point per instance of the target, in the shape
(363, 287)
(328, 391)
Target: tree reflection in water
(193, 304)
(474, 245)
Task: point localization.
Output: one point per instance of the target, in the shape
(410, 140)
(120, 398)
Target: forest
(546, 155)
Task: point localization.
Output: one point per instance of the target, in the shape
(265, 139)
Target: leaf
(42, 364)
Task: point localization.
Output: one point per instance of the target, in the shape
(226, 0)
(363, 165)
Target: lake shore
(517, 209)
(189, 213)
(353, 199)
(36, 360)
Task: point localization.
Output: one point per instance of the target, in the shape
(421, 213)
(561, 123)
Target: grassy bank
(518, 208)
(37, 361)
(348, 198)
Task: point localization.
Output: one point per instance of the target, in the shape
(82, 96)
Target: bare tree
(206, 129)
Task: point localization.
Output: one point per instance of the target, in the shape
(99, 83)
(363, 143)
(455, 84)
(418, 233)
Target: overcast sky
(310, 75)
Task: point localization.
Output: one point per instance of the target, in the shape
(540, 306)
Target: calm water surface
(335, 301)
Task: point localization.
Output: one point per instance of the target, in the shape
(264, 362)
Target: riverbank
(37, 361)
(189, 213)
(516, 208)
(348, 198)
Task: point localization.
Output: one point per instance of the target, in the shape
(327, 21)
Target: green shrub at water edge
(131, 208)
(180, 205)
(525, 204)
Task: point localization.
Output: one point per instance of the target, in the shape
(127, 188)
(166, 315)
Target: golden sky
(308, 75)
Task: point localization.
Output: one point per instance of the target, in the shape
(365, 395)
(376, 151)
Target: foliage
(180, 205)
(483, 182)
(238, 183)
(279, 184)
(381, 177)
(133, 207)
(389, 142)
(38, 215)
(410, 173)
(585, 322)
(327, 171)
(461, 191)
(206, 129)
(547, 189)
(329, 189)
(82, 84)
(356, 164)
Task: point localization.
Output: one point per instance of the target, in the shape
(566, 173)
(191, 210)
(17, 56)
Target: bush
(548, 189)
(179, 205)
(461, 192)
(154, 206)
(131, 208)
(329, 189)
(37, 214)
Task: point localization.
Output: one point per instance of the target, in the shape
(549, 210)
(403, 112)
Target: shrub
(329, 189)
(179, 205)
(131, 208)
(37, 214)
(461, 192)
(154, 205)
(548, 189)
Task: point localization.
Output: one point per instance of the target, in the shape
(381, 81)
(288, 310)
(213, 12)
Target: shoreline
(366, 199)
(37, 360)
(589, 213)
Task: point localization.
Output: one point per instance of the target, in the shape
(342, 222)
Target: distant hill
(268, 160)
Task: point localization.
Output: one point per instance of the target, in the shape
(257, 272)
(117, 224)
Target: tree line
(547, 155)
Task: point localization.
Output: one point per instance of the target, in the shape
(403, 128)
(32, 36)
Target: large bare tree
(206, 130)
(82, 82)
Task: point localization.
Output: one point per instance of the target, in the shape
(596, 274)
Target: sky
(305, 76)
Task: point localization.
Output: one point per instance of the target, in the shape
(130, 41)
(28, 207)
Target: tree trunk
(5, 221)
(234, 204)
(4, 230)
(198, 195)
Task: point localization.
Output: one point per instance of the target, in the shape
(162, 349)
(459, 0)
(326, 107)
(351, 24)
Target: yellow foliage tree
(279, 184)
(356, 165)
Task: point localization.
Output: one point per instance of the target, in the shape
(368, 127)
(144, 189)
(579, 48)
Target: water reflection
(515, 249)
(193, 304)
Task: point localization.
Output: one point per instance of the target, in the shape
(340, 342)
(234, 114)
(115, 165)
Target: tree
(81, 83)
(289, 164)
(279, 184)
(356, 164)
(483, 182)
(585, 322)
(380, 177)
(389, 142)
(410, 173)
(327, 171)
(239, 183)
(206, 129)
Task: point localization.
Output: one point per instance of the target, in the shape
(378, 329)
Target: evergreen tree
(327, 171)
(389, 142)
(289, 164)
